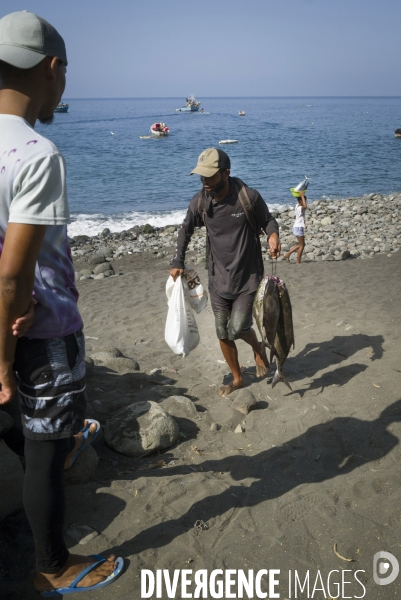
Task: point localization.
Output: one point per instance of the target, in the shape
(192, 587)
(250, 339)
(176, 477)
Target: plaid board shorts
(51, 385)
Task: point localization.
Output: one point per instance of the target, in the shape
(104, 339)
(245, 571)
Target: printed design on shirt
(237, 214)
(32, 142)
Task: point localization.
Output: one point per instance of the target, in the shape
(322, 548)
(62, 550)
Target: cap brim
(205, 171)
(22, 58)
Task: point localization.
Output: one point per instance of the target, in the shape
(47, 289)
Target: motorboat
(159, 129)
(191, 105)
(397, 133)
(241, 113)
(228, 142)
(61, 108)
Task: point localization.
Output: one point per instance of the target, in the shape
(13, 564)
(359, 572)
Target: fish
(257, 308)
(271, 313)
(303, 185)
(284, 337)
(266, 311)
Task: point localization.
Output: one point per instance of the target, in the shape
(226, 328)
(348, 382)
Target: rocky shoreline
(336, 230)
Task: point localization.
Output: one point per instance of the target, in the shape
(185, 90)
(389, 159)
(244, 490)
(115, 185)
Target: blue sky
(150, 48)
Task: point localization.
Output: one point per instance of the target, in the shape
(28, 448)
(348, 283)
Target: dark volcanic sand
(314, 468)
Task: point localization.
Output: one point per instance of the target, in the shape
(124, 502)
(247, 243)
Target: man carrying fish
(234, 215)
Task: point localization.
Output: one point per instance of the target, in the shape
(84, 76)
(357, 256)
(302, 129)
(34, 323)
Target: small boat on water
(191, 105)
(61, 108)
(159, 129)
(241, 113)
(397, 133)
(228, 142)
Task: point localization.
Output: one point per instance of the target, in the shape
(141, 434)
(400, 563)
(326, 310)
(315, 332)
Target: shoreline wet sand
(313, 470)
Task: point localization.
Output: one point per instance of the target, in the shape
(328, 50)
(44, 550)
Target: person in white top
(46, 366)
(298, 228)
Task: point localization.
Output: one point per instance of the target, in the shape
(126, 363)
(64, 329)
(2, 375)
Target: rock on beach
(363, 227)
(141, 428)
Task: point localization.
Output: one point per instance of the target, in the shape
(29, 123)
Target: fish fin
(272, 352)
(279, 376)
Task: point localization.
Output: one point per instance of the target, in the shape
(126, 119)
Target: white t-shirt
(299, 216)
(33, 191)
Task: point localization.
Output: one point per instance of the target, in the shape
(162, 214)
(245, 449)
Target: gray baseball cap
(25, 39)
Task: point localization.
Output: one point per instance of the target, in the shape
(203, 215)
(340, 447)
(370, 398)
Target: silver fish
(271, 313)
(303, 185)
(266, 310)
(257, 308)
(284, 337)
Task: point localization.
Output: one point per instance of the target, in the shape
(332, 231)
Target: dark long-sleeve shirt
(234, 260)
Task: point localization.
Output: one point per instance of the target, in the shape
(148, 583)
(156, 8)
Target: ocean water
(116, 179)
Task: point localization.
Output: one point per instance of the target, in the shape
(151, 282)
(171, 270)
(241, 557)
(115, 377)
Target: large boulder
(141, 428)
(11, 478)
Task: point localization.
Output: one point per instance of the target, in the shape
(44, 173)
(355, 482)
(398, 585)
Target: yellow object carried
(294, 193)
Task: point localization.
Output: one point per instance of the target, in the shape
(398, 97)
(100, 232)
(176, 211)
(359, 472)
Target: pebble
(339, 229)
(244, 401)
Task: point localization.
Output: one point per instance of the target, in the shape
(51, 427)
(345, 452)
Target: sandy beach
(311, 484)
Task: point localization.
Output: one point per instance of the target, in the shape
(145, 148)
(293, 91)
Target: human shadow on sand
(323, 452)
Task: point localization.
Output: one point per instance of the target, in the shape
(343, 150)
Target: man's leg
(240, 327)
(259, 352)
(230, 353)
(234, 321)
(44, 503)
(222, 311)
(51, 382)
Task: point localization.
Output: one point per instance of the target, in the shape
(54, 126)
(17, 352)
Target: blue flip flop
(73, 589)
(86, 442)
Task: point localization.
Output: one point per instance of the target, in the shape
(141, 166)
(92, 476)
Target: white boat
(61, 108)
(191, 105)
(159, 129)
(228, 142)
(241, 113)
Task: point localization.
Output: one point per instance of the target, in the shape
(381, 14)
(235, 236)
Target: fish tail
(279, 376)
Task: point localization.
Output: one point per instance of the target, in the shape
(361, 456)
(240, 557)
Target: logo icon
(385, 568)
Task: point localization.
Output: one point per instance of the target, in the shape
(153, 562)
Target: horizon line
(216, 97)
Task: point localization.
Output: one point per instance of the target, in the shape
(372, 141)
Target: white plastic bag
(197, 293)
(181, 332)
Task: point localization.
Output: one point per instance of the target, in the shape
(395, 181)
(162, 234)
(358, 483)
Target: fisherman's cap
(210, 161)
(25, 40)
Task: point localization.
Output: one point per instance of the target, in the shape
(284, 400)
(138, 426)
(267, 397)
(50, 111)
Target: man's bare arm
(17, 271)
